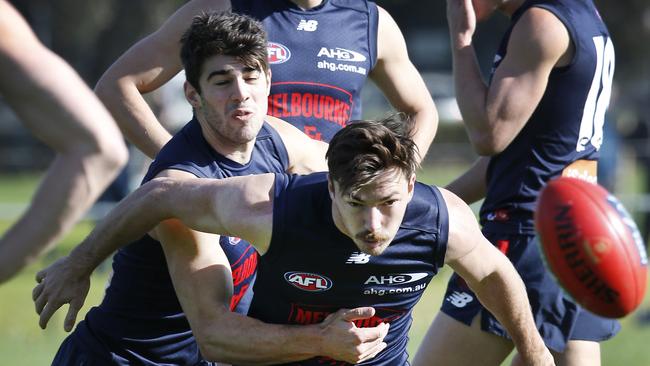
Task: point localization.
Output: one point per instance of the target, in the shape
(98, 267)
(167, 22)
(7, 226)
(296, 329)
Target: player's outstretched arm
(58, 108)
(401, 82)
(495, 281)
(145, 67)
(494, 115)
(207, 205)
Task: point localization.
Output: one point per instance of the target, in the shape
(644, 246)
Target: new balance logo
(460, 299)
(307, 25)
(358, 258)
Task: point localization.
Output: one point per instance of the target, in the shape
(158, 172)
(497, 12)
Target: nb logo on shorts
(358, 258)
(307, 25)
(460, 299)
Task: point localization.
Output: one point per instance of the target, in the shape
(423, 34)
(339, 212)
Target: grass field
(22, 342)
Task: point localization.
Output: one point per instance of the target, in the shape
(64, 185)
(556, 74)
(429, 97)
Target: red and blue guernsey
(320, 59)
(140, 321)
(565, 132)
(312, 269)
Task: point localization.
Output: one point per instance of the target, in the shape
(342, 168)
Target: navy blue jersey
(320, 59)
(563, 135)
(312, 269)
(140, 320)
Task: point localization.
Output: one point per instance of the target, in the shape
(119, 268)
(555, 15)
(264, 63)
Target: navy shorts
(74, 353)
(558, 317)
(70, 354)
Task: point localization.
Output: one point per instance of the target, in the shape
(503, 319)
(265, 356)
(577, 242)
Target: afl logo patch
(308, 281)
(233, 240)
(278, 53)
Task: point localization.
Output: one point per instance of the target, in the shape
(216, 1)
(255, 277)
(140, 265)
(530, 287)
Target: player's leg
(451, 342)
(579, 353)
(583, 347)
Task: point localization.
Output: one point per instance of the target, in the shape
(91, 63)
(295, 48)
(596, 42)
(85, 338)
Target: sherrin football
(592, 245)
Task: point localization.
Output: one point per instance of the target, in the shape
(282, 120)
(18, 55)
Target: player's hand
(344, 341)
(462, 22)
(60, 283)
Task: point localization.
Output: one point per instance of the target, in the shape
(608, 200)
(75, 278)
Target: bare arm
(306, 155)
(59, 109)
(146, 66)
(471, 185)
(401, 82)
(494, 115)
(495, 281)
(197, 202)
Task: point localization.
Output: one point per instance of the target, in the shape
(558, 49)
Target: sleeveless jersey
(312, 269)
(563, 135)
(140, 319)
(320, 59)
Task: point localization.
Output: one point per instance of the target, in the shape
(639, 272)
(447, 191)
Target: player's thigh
(450, 342)
(579, 353)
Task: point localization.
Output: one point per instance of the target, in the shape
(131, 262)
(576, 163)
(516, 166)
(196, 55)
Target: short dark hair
(222, 33)
(363, 150)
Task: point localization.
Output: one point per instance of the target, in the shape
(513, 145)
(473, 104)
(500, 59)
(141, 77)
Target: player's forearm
(426, 125)
(238, 339)
(71, 185)
(503, 293)
(471, 96)
(132, 218)
(132, 113)
(471, 185)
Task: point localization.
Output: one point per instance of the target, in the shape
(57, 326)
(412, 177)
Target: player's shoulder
(460, 215)
(279, 125)
(426, 210)
(539, 35)
(538, 21)
(285, 130)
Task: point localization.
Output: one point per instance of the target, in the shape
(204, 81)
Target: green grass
(22, 342)
(17, 188)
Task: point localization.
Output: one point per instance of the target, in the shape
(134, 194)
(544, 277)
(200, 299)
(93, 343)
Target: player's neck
(307, 4)
(235, 151)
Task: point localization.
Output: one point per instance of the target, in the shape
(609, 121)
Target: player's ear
(192, 95)
(330, 187)
(411, 186)
(268, 81)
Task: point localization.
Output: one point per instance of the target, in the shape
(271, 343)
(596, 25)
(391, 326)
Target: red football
(592, 245)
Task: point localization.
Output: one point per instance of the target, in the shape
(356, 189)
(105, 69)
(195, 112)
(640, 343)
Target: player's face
(233, 100)
(372, 216)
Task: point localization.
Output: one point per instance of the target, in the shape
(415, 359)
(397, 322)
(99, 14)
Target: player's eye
(252, 76)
